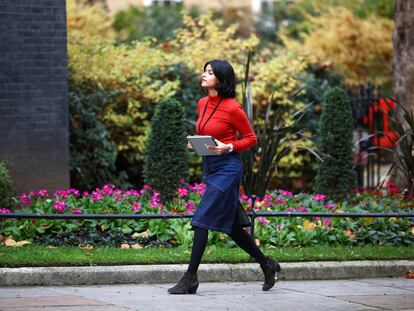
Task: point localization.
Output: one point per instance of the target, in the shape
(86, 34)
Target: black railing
(251, 215)
(368, 127)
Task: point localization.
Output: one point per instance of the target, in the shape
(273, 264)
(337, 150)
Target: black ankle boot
(187, 285)
(269, 269)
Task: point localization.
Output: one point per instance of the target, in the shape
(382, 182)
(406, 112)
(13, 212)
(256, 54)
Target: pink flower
(286, 193)
(147, 187)
(319, 197)
(328, 222)
(329, 206)
(73, 191)
(42, 193)
(198, 188)
(182, 192)
(59, 206)
(97, 195)
(85, 194)
(136, 206)
(302, 209)
(133, 192)
(280, 227)
(155, 200)
(4, 211)
(61, 193)
(190, 207)
(108, 189)
(263, 220)
(244, 198)
(77, 211)
(25, 200)
(280, 201)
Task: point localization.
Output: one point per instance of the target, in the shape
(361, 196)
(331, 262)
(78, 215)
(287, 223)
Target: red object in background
(386, 138)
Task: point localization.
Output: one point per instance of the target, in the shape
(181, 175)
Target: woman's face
(208, 79)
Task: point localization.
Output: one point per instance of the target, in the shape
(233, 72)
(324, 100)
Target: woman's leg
(199, 245)
(189, 282)
(245, 242)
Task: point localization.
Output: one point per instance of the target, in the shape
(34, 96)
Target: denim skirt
(218, 206)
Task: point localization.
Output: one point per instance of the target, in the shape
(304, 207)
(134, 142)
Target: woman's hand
(220, 148)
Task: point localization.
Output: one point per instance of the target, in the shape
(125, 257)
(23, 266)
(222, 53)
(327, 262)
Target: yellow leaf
(143, 234)
(368, 219)
(9, 242)
(89, 254)
(308, 225)
(21, 243)
(81, 246)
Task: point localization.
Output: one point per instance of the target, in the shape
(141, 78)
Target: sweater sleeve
(242, 124)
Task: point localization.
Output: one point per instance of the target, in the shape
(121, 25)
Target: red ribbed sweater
(225, 124)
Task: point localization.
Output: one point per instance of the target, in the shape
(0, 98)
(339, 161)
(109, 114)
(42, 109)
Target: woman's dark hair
(224, 72)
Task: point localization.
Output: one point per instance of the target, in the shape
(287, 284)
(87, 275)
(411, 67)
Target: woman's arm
(242, 124)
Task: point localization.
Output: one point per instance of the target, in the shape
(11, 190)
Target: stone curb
(95, 275)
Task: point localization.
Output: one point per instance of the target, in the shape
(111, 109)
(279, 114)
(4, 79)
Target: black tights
(240, 236)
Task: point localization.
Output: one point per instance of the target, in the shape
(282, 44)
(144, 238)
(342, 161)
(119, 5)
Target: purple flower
(4, 211)
(25, 200)
(329, 206)
(136, 206)
(77, 211)
(319, 197)
(328, 222)
(286, 193)
(59, 206)
(182, 192)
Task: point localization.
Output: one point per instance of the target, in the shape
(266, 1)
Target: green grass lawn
(39, 256)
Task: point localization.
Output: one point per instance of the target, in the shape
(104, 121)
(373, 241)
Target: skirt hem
(209, 227)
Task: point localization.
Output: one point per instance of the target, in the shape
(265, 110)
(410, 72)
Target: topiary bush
(336, 177)
(6, 187)
(166, 155)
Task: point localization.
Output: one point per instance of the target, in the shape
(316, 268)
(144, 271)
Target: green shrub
(92, 153)
(336, 177)
(6, 187)
(165, 157)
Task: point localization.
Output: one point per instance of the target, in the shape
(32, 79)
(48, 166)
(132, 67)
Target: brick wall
(34, 134)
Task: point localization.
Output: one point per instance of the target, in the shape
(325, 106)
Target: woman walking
(220, 116)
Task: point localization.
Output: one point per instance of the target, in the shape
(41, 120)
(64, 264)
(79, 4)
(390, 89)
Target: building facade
(34, 130)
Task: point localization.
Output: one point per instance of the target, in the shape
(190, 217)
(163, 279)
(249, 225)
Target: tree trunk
(403, 63)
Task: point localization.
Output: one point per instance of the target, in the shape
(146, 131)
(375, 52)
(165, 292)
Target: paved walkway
(332, 295)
